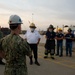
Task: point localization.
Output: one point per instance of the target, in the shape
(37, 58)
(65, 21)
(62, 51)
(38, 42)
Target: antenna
(32, 17)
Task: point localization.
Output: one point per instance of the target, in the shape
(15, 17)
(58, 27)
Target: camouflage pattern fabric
(15, 49)
(1, 34)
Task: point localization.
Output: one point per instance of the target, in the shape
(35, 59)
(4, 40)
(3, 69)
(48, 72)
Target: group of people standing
(51, 36)
(14, 48)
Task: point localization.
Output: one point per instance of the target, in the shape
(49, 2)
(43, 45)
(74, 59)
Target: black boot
(52, 57)
(37, 63)
(45, 56)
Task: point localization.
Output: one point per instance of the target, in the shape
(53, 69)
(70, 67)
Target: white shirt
(32, 37)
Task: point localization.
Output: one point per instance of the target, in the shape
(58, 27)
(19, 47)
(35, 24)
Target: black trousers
(34, 49)
(50, 47)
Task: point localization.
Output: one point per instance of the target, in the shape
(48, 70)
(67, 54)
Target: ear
(19, 26)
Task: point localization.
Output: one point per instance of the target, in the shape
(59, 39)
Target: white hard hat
(15, 19)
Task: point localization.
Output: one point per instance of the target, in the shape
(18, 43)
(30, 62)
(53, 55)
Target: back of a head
(14, 21)
(51, 27)
(69, 30)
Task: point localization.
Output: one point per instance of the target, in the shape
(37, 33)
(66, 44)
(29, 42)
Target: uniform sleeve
(1, 35)
(25, 47)
(46, 33)
(1, 49)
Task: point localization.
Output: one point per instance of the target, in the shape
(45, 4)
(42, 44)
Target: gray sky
(46, 12)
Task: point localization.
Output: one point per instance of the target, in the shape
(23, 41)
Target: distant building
(5, 31)
(73, 28)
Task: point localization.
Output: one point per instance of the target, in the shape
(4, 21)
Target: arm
(38, 41)
(2, 54)
(72, 37)
(25, 47)
(1, 41)
(46, 35)
(39, 37)
(1, 34)
(60, 38)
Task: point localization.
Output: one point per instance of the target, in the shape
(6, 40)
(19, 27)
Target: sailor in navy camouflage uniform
(15, 49)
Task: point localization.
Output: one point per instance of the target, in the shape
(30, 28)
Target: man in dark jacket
(69, 38)
(50, 42)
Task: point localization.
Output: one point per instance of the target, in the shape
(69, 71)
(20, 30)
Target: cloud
(45, 11)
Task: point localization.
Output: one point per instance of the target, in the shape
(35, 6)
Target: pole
(32, 17)
(57, 29)
(63, 28)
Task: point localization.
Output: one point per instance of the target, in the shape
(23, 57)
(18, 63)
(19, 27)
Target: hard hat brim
(52, 28)
(32, 26)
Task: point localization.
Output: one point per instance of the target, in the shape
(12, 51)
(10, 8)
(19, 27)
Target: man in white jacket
(33, 38)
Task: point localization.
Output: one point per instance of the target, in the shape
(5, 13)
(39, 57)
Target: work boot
(45, 56)
(57, 54)
(70, 55)
(66, 54)
(52, 57)
(37, 63)
(60, 55)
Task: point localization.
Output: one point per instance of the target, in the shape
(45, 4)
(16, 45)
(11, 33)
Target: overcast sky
(45, 12)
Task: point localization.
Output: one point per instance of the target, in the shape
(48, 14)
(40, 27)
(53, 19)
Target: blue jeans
(69, 48)
(60, 48)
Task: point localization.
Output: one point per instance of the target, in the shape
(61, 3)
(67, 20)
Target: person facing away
(50, 42)
(15, 49)
(69, 38)
(1, 54)
(59, 38)
(33, 38)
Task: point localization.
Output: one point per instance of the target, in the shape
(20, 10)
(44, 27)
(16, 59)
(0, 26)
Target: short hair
(13, 26)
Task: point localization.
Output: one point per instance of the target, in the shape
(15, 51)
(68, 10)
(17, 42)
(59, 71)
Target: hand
(37, 43)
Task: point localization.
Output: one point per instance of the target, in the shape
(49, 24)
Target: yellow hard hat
(59, 29)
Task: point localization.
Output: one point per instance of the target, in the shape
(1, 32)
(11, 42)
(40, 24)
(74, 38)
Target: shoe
(57, 54)
(60, 55)
(52, 58)
(70, 55)
(2, 63)
(37, 63)
(31, 62)
(45, 56)
(66, 54)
